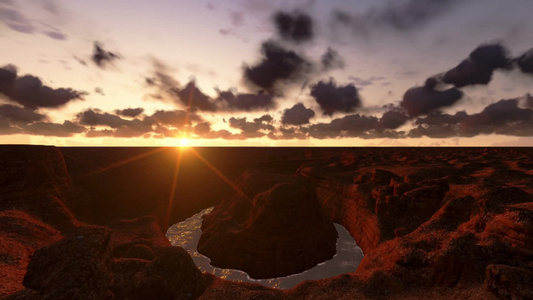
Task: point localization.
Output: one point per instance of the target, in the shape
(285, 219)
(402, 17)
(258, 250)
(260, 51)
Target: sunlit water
(187, 234)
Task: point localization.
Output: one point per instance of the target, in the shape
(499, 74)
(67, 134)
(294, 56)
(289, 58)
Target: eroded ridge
(434, 223)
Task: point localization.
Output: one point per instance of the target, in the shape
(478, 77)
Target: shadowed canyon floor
(89, 223)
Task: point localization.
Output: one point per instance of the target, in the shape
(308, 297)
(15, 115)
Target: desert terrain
(439, 223)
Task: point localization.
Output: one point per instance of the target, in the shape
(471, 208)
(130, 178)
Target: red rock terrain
(47, 253)
(273, 226)
(434, 223)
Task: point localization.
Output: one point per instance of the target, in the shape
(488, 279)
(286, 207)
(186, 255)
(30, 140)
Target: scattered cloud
(67, 129)
(231, 101)
(30, 91)
(20, 114)
(503, 117)
(422, 100)
(395, 16)
(479, 66)
(250, 129)
(296, 27)
(525, 62)
(193, 97)
(297, 115)
(333, 98)
(102, 57)
(130, 112)
(331, 60)
(16, 17)
(278, 65)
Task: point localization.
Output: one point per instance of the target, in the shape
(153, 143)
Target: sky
(266, 73)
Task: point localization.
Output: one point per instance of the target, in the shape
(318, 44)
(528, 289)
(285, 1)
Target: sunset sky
(266, 73)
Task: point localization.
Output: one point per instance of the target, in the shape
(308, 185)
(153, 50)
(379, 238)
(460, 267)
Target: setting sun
(184, 142)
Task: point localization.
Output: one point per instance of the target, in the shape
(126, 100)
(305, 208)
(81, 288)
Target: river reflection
(187, 234)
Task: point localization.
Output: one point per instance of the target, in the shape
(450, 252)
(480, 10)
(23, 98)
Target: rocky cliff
(433, 223)
(272, 226)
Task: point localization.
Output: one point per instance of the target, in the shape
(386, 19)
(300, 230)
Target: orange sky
(149, 52)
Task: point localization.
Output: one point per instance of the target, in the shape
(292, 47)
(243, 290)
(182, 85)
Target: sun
(184, 142)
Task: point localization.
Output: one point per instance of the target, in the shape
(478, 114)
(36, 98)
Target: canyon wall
(433, 223)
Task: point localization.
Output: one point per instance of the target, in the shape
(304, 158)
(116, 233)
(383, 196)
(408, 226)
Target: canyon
(89, 223)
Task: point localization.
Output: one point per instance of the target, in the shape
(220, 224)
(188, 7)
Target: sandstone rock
(509, 282)
(140, 251)
(498, 197)
(379, 177)
(33, 179)
(73, 268)
(453, 213)
(171, 275)
(277, 232)
(20, 235)
(30, 170)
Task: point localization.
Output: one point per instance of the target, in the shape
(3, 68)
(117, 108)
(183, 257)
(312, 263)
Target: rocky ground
(84, 223)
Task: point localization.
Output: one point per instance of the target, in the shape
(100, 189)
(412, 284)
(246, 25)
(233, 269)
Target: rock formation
(435, 223)
(272, 227)
(131, 259)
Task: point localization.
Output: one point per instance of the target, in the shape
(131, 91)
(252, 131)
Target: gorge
(88, 223)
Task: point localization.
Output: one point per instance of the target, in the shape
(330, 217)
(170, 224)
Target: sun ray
(173, 187)
(125, 161)
(218, 173)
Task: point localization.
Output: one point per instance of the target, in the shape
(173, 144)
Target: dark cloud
(193, 97)
(31, 93)
(130, 112)
(136, 128)
(393, 119)
(19, 114)
(333, 98)
(99, 133)
(122, 127)
(422, 100)
(331, 60)
(348, 126)
(495, 117)
(67, 129)
(6, 128)
(250, 129)
(295, 27)
(244, 102)
(479, 66)
(397, 15)
(297, 115)
(102, 57)
(202, 129)
(278, 65)
(433, 131)
(165, 123)
(176, 118)
(525, 62)
(503, 117)
(264, 119)
(287, 134)
(438, 118)
(96, 118)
